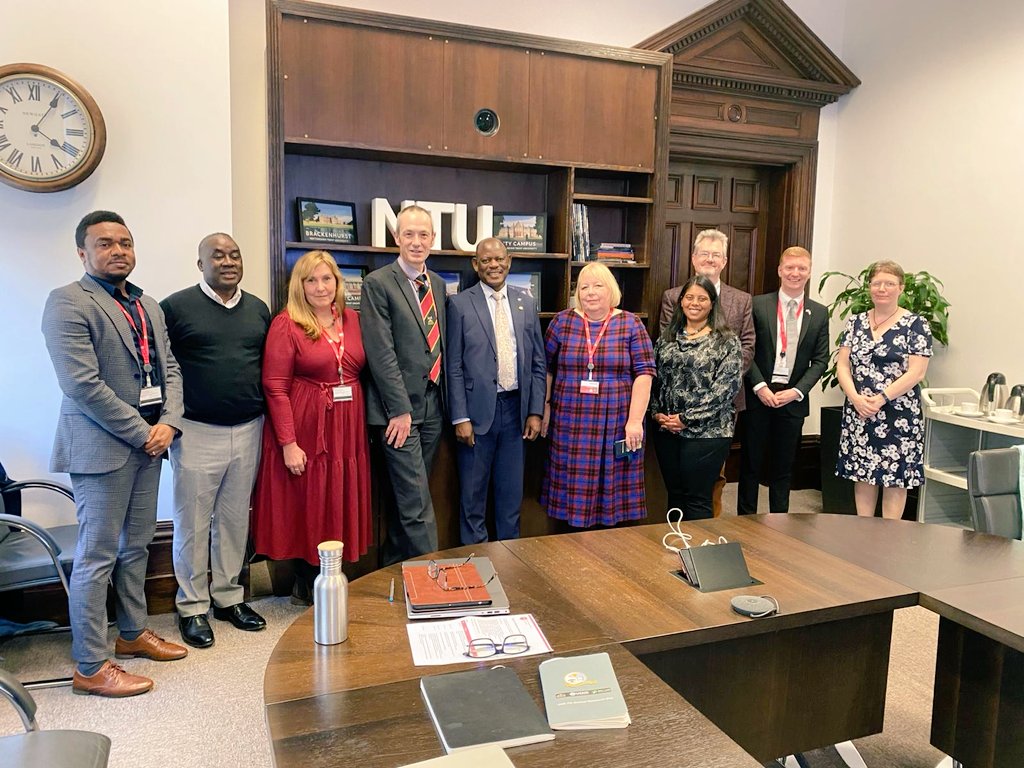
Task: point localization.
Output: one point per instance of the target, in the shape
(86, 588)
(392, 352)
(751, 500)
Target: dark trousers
(500, 451)
(412, 528)
(690, 468)
(774, 431)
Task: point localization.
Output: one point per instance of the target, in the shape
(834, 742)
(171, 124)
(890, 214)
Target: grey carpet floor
(206, 711)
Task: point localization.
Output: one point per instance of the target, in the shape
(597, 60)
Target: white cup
(1004, 414)
(969, 407)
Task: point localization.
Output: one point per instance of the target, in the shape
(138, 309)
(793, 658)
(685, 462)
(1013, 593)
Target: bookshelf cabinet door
(592, 111)
(361, 86)
(480, 76)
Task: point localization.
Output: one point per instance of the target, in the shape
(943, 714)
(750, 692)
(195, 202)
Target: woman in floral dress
(883, 357)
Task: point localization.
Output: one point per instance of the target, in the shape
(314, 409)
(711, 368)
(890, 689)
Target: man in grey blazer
(122, 407)
(403, 321)
(496, 384)
(709, 257)
(785, 368)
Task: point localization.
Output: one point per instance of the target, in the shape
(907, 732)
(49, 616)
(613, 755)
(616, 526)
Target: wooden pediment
(759, 48)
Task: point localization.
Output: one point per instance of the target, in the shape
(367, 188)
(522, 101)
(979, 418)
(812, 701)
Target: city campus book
(582, 692)
(483, 706)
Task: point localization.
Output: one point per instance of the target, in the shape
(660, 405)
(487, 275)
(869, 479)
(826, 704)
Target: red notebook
(425, 594)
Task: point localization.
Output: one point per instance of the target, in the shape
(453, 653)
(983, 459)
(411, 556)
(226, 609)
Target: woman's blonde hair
(598, 271)
(299, 310)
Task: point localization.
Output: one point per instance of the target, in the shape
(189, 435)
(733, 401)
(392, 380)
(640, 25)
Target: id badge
(781, 373)
(590, 387)
(150, 396)
(342, 393)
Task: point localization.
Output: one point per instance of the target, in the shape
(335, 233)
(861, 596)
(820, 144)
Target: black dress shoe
(196, 630)
(242, 616)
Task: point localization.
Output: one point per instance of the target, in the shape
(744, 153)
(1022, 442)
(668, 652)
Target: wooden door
(731, 198)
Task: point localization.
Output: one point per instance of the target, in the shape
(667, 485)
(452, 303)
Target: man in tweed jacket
(122, 407)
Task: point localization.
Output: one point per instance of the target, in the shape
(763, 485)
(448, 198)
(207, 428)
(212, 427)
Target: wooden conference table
(705, 686)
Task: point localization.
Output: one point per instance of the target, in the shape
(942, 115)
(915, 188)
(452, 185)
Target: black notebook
(483, 706)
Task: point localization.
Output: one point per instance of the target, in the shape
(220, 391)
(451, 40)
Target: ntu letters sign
(384, 219)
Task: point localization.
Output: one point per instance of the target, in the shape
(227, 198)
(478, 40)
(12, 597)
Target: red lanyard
(783, 339)
(142, 337)
(592, 348)
(338, 347)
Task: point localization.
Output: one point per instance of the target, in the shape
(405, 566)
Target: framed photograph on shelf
(526, 281)
(452, 282)
(326, 221)
(522, 232)
(353, 277)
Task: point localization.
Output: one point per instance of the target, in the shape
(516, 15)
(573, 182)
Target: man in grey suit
(790, 357)
(122, 407)
(709, 257)
(496, 384)
(403, 321)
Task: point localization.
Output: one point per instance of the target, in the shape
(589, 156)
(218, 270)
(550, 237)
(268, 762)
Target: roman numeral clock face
(52, 134)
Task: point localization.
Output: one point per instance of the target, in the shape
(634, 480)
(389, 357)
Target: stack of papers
(445, 642)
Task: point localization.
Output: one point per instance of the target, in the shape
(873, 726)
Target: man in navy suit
(496, 382)
(790, 355)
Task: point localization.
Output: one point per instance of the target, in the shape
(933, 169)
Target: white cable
(676, 533)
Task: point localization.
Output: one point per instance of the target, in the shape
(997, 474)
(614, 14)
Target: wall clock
(52, 133)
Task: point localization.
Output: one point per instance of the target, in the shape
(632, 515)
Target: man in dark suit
(709, 257)
(496, 383)
(790, 357)
(403, 322)
(122, 407)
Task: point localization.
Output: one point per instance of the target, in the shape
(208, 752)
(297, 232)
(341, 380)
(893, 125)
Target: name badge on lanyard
(150, 394)
(780, 375)
(590, 385)
(341, 393)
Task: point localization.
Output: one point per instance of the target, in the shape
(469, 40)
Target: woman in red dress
(314, 478)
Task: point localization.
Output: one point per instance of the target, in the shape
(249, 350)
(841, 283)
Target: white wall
(929, 160)
(159, 72)
(182, 87)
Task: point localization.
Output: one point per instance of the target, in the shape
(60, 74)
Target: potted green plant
(922, 295)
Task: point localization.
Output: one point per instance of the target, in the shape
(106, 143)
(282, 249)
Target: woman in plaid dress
(600, 367)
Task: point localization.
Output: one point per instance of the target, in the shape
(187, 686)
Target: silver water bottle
(330, 597)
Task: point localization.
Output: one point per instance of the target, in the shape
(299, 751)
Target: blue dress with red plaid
(585, 484)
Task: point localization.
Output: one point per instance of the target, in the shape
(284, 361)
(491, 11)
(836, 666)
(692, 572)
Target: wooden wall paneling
(592, 111)
(743, 252)
(360, 86)
(743, 115)
(478, 76)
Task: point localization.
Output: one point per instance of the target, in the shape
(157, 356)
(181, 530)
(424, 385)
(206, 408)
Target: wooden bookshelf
(577, 123)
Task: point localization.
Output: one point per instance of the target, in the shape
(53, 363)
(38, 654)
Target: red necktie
(429, 314)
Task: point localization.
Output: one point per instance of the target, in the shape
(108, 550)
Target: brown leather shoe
(149, 645)
(111, 681)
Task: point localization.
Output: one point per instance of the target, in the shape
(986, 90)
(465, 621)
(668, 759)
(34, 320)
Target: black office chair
(53, 749)
(31, 555)
(993, 483)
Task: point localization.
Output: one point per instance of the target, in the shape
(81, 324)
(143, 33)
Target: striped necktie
(429, 314)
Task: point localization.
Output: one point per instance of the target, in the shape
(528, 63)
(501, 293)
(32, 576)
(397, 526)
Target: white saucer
(1007, 422)
(971, 415)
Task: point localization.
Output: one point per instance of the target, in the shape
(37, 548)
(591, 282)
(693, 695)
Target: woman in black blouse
(699, 363)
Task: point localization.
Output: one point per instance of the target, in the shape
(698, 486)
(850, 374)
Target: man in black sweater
(217, 335)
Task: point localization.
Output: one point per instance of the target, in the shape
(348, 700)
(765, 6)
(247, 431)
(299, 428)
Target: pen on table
(391, 592)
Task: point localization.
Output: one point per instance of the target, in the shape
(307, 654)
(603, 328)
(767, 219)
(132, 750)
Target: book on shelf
(481, 707)
(614, 252)
(580, 232)
(429, 601)
(582, 692)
